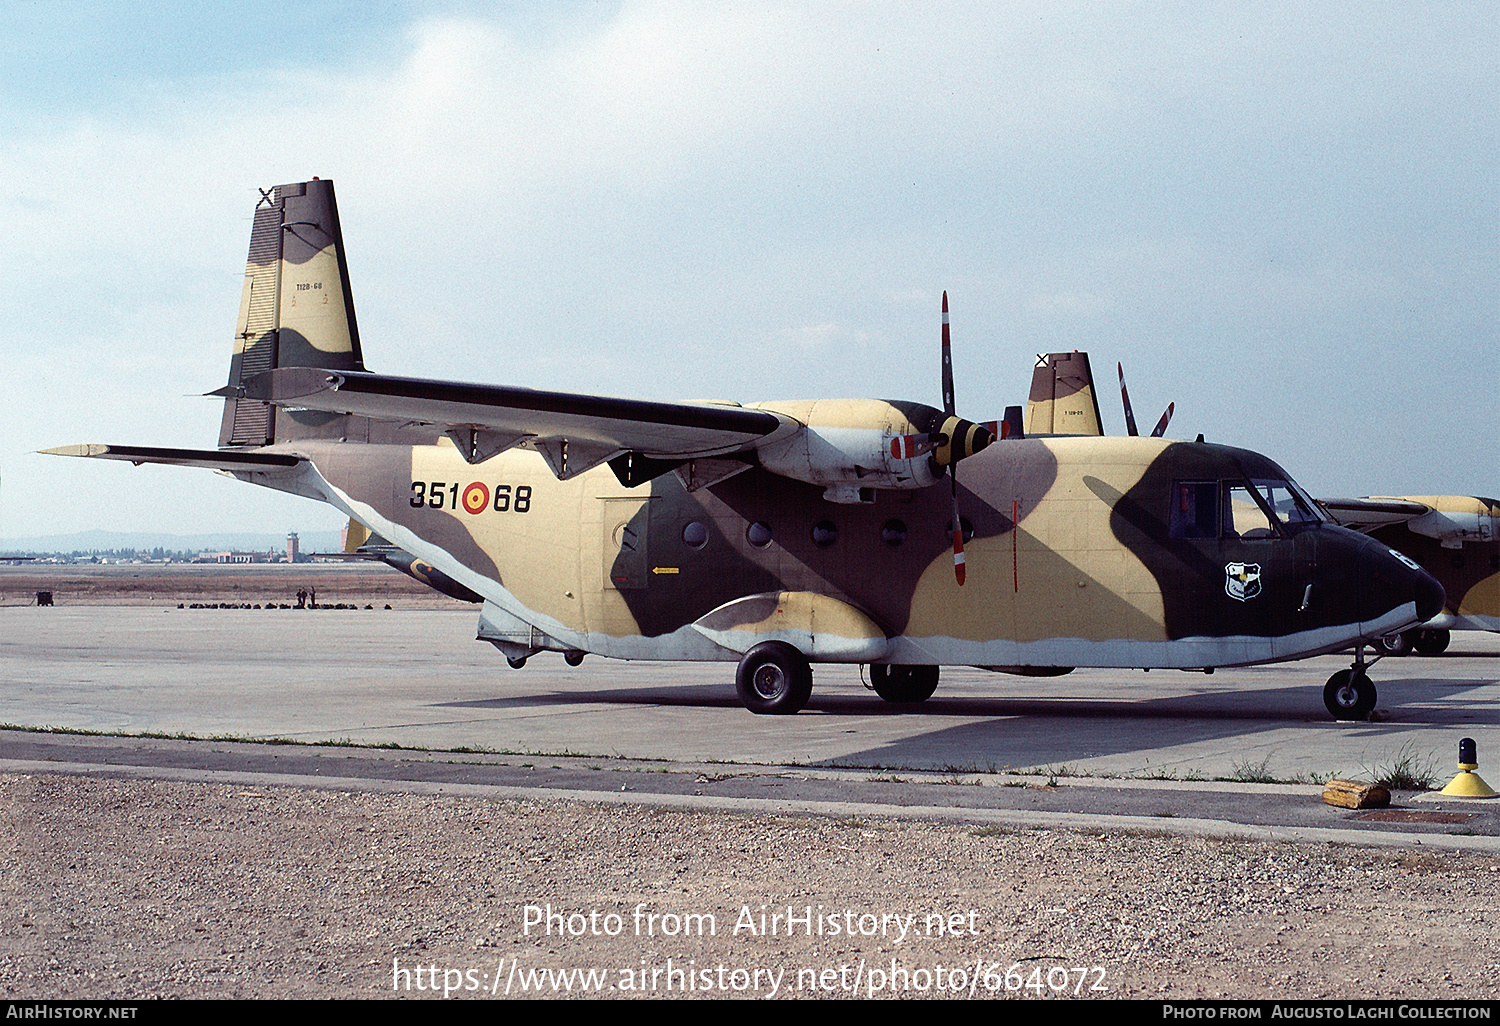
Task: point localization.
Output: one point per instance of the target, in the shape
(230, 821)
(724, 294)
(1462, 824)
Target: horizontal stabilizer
(213, 459)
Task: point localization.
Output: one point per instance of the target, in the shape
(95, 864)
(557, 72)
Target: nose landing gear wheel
(1349, 695)
(903, 683)
(774, 677)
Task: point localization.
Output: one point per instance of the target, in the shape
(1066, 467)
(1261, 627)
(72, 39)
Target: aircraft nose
(1393, 579)
(1430, 596)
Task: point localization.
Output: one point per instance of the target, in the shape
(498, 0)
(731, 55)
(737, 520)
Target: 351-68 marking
(474, 497)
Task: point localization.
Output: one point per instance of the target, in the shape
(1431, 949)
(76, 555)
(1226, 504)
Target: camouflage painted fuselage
(1070, 562)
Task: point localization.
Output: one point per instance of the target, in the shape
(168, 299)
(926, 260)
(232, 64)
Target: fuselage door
(1258, 578)
(1241, 578)
(627, 525)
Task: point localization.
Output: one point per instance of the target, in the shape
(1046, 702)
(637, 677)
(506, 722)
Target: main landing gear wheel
(1349, 695)
(1432, 642)
(1397, 644)
(774, 677)
(903, 683)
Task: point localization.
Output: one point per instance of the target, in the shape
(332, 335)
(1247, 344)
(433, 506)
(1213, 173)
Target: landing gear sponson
(775, 678)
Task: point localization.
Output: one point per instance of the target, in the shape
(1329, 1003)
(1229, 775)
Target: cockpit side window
(1247, 510)
(1195, 509)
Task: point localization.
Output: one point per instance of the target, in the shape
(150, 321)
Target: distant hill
(105, 541)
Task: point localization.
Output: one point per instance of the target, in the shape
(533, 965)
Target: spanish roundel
(476, 498)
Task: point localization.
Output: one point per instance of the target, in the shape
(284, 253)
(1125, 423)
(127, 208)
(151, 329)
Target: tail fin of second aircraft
(296, 309)
(1062, 398)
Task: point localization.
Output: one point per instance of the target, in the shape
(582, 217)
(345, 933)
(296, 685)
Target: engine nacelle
(1457, 519)
(853, 446)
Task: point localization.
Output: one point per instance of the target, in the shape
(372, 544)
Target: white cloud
(641, 203)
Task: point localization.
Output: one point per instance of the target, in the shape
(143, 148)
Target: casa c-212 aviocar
(783, 534)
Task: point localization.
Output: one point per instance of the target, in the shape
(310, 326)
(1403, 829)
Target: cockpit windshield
(1289, 502)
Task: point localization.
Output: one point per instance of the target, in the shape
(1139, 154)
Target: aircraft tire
(516, 662)
(903, 683)
(1349, 695)
(1432, 642)
(573, 657)
(1397, 644)
(774, 678)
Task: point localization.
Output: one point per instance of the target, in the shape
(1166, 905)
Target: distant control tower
(293, 554)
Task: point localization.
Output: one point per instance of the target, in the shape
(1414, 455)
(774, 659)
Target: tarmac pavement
(1162, 750)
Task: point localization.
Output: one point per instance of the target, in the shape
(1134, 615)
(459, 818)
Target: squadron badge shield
(1242, 580)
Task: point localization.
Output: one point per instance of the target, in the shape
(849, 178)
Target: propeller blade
(958, 534)
(1161, 425)
(956, 427)
(947, 362)
(1125, 398)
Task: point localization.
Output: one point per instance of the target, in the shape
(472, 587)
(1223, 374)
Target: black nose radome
(1430, 595)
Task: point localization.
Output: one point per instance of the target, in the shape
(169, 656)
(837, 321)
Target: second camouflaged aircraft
(782, 534)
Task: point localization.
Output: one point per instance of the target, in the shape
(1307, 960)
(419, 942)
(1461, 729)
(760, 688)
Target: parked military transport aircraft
(782, 534)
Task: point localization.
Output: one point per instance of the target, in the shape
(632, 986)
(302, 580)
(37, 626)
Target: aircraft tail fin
(355, 536)
(1062, 398)
(296, 309)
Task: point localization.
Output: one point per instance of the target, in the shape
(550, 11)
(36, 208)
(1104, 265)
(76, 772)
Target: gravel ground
(134, 889)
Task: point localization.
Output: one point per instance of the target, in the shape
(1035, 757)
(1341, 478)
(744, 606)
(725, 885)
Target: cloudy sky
(1281, 217)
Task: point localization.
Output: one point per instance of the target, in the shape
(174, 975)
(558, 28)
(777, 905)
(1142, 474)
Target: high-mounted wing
(849, 446)
(1368, 514)
(574, 433)
(1451, 519)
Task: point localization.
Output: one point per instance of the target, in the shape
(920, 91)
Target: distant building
(236, 557)
(293, 554)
